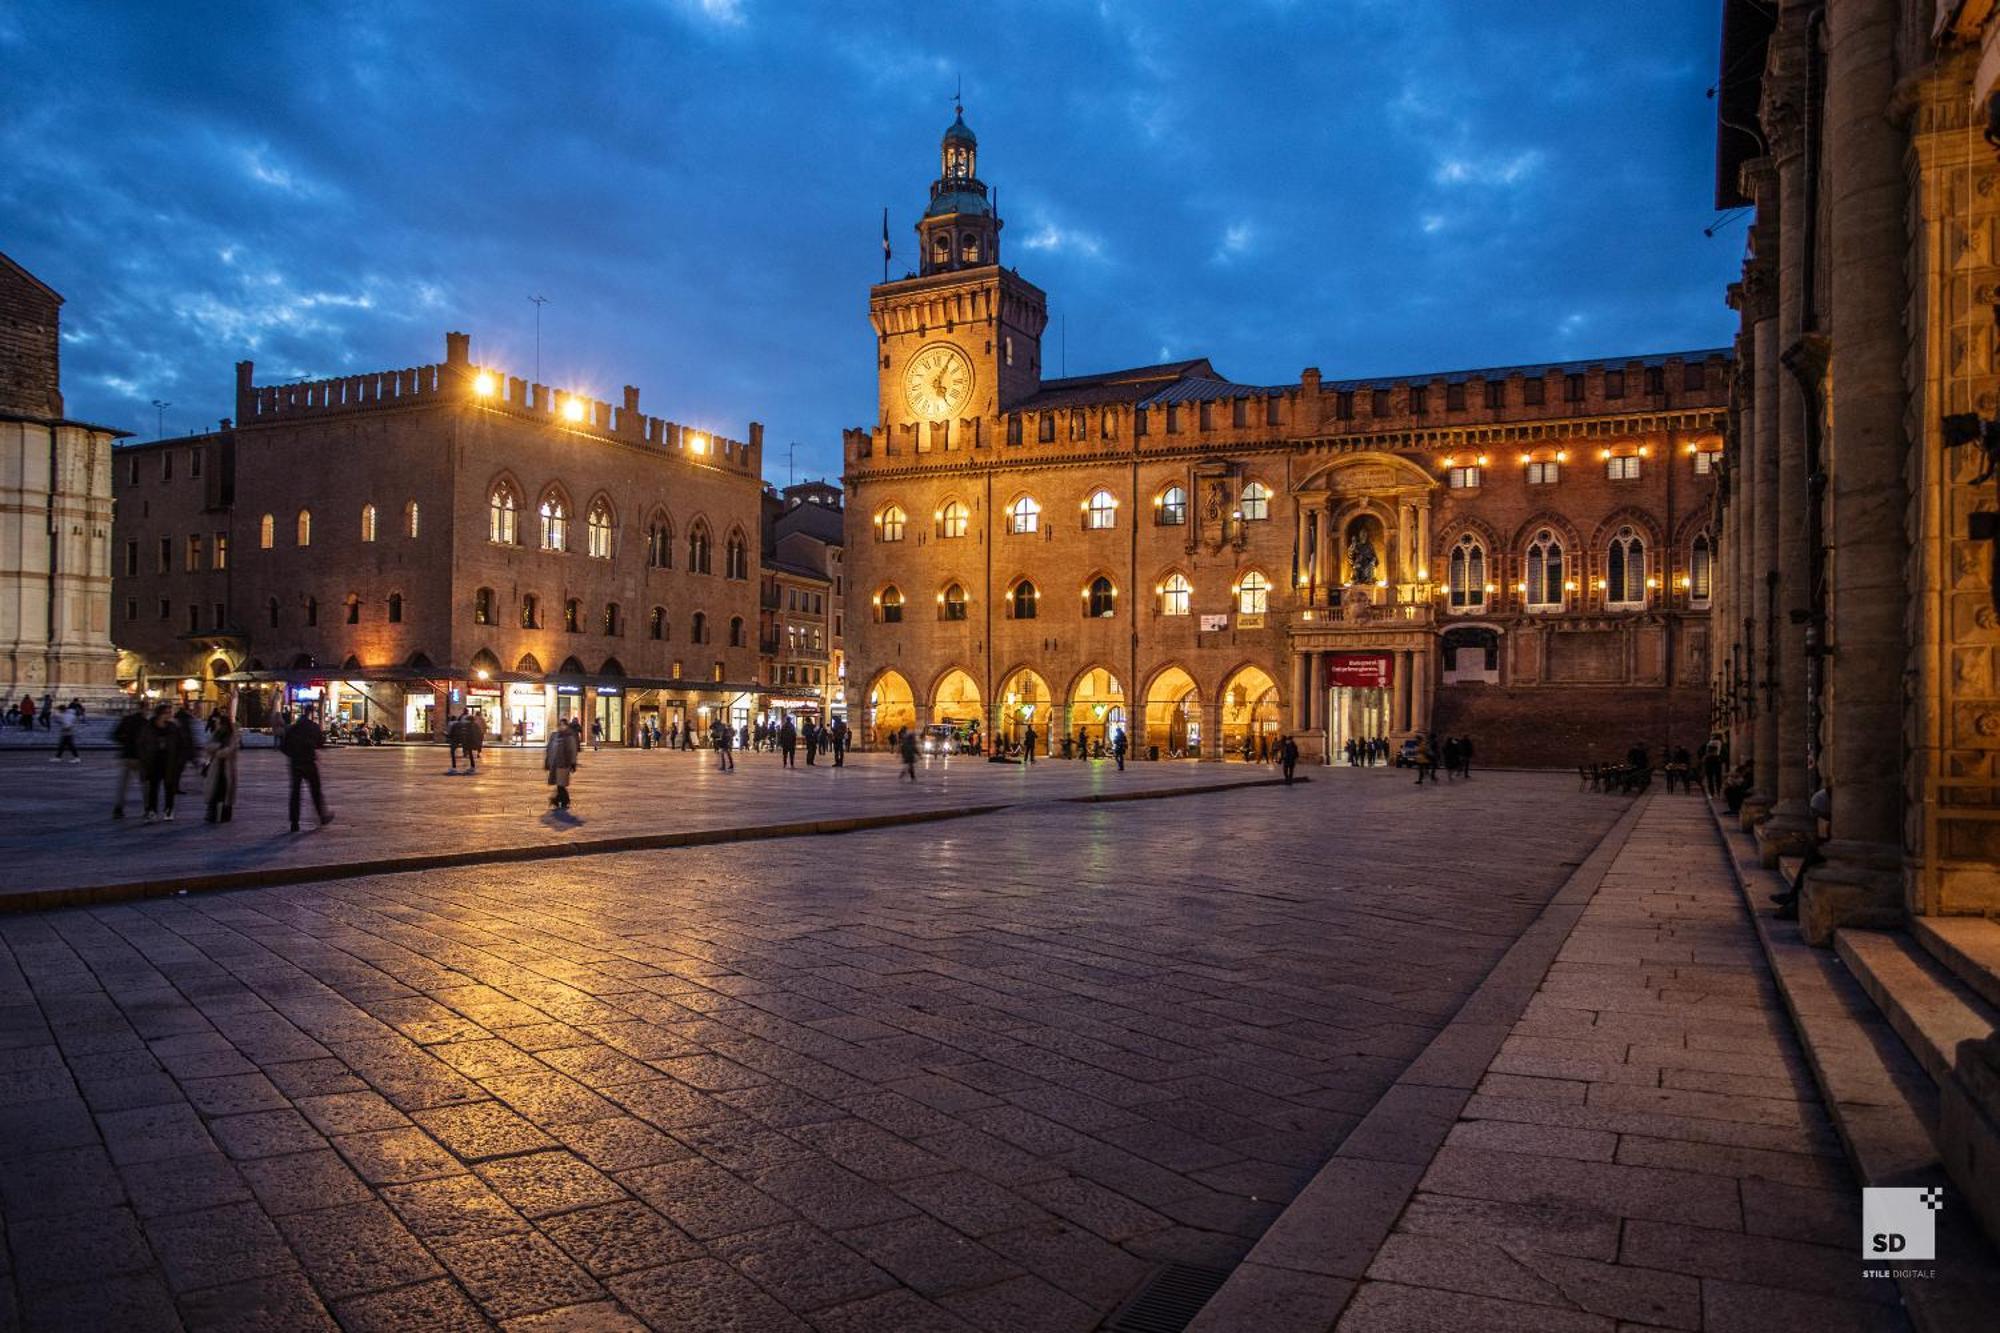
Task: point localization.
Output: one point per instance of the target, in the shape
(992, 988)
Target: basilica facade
(1523, 554)
(1519, 553)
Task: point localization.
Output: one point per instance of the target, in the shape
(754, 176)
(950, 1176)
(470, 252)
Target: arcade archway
(956, 702)
(892, 705)
(1025, 702)
(1173, 715)
(1097, 707)
(1250, 718)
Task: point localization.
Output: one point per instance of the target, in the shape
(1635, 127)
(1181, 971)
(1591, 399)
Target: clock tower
(958, 341)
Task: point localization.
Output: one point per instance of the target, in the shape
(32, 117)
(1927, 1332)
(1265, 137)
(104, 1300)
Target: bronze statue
(1361, 555)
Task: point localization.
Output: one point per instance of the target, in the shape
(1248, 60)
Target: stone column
(1399, 712)
(1322, 545)
(1860, 885)
(1420, 691)
(1761, 486)
(1423, 538)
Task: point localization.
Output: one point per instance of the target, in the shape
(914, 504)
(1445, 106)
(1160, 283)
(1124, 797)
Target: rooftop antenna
(160, 418)
(1062, 333)
(958, 97)
(539, 301)
(789, 450)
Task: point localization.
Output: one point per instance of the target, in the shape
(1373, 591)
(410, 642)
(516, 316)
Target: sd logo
(1900, 1223)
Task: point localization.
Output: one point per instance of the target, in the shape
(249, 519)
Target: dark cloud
(1372, 186)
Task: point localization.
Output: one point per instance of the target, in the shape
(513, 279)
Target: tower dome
(960, 228)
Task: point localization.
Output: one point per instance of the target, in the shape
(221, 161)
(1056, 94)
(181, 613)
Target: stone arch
(570, 667)
(612, 667)
(1631, 516)
(1172, 712)
(1386, 471)
(484, 660)
(1025, 700)
(1564, 530)
(1252, 711)
(955, 699)
(528, 665)
(418, 662)
(888, 705)
(1098, 705)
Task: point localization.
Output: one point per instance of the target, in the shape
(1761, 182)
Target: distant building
(403, 545)
(55, 512)
(801, 603)
(1523, 553)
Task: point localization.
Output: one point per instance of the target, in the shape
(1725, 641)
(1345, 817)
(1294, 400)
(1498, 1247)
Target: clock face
(938, 382)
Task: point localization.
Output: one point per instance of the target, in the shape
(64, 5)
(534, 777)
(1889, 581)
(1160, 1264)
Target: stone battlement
(458, 379)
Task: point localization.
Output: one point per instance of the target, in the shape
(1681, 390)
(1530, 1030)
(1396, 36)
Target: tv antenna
(160, 418)
(539, 301)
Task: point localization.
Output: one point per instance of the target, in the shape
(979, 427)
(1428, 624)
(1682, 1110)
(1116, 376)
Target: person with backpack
(301, 746)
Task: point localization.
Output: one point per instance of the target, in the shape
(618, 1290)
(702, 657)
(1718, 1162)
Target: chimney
(458, 349)
(631, 399)
(1309, 379)
(246, 403)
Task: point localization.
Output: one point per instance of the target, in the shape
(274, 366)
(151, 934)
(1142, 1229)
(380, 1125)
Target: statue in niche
(1361, 556)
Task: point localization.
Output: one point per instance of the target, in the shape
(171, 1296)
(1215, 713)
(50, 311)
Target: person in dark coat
(908, 752)
(1118, 748)
(301, 746)
(559, 756)
(1028, 745)
(163, 753)
(839, 743)
(788, 743)
(454, 737)
(126, 736)
(1288, 757)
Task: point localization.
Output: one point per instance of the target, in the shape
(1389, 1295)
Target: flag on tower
(885, 245)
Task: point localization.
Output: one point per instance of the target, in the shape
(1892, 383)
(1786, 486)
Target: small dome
(958, 201)
(960, 132)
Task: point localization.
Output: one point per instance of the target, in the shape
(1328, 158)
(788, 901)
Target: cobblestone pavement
(1649, 1148)
(986, 1074)
(402, 800)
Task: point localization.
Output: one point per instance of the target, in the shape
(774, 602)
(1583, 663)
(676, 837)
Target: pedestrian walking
(27, 712)
(474, 740)
(301, 745)
(1288, 757)
(596, 734)
(1450, 758)
(840, 742)
(559, 756)
(66, 737)
(1712, 761)
(126, 737)
(454, 737)
(162, 755)
(723, 737)
(909, 756)
(1425, 760)
(811, 736)
(1028, 745)
(1118, 748)
(225, 744)
(48, 710)
(1465, 757)
(788, 743)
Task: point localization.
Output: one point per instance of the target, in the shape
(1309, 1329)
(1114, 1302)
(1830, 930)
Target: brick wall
(29, 362)
(1561, 728)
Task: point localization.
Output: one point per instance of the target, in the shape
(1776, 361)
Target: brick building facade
(55, 512)
(1523, 554)
(402, 545)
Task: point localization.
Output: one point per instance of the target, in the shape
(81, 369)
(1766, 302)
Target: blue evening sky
(1368, 186)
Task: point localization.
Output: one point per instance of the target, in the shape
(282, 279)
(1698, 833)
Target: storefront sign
(1250, 620)
(486, 691)
(1214, 624)
(308, 691)
(1367, 671)
(569, 689)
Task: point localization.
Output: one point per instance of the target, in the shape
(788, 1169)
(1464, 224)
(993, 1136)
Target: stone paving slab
(987, 1074)
(402, 807)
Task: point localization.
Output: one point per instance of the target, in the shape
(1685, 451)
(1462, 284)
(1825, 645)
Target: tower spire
(960, 228)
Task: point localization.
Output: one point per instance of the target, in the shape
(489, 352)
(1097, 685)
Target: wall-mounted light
(484, 385)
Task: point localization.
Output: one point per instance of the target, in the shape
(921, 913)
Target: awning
(310, 675)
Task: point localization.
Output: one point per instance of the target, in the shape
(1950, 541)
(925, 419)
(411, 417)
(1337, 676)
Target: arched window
(1544, 584)
(1256, 502)
(656, 624)
(1100, 599)
(271, 608)
(889, 524)
(1022, 599)
(698, 548)
(395, 608)
(1625, 571)
(736, 558)
(1171, 509)
(482, 606)
(267, 528)
(531, 611)
(555, 524)
(410, 519)
(698, 628)
(889, 605)
(1701, 571)
(660, 544)
(1175, 594)
(1466, 575)
(503, 509)
(572, 616)
(941, 249)
(736, 631)
(1100, 510)
(951, 602)
(1024, 515)
(614, 625)
(968, 248)
(367, 523)
(312, 611)
(598, 529)
(953, 520)
(305, 527)
(1253, 594)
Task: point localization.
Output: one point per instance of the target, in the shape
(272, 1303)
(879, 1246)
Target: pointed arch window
(1256, 502)
(1171, 509)
(951, 602)
(367, 523)
(1466, 575)
(267, 528)
(572, 616)
(1543, 587)
(555, 524)
(482, 606)
(890, 522)
(1100, 511)
(598, 529)
(736, 558)
(1701, 571)
(305, 527)
(889, 605)
(1176, 593)
(395, 608)
(1100, 599)
(698, 629)
(698, 549)
(531, 611)
(1024, 515)
(953, 520)
(1023, 599)
(1625, 571)
(1253, 594)
(656, 624)
(659, 544)
(503, 514)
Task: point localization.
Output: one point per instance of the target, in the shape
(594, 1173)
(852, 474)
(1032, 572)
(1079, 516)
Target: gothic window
(698, 629)
(889, 523)
(1256, 501)
(1023, 599)
(1625, 571)
(889, 605)
(1175, 595)
(1466, 575)
(531, 611)
(736, 631)
(482, 606)
(613, 625)
(656, 624)
(968, 249)
(305, 527)
(555, 524)
(698, 548)
(1253, 594)
(1024, 515)
(953, 520)
(266, 532)
(951, 603)
(1544, 589)
(410, 518)
(598, 529)
(941, 249)
(1701, 571)
(736, 557)
(572, 616)
(1171, 512)
(395, 608)
(367, 523)
(1101, 510)
(660, 544)
(1100, 598)
(1622, 467)
(502, 515)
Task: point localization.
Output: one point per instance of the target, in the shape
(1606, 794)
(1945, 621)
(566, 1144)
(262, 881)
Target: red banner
(1368, 671)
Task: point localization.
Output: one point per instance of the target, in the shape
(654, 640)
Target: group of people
(1366, 751)
(27, 712)
(156, 747)
(1455, 752)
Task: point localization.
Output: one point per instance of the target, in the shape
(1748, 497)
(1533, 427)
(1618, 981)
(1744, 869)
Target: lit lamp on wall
(572, 409)
(485, 385)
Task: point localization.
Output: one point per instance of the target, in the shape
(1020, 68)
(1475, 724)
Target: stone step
(1968, 945)
(1930, 1008)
